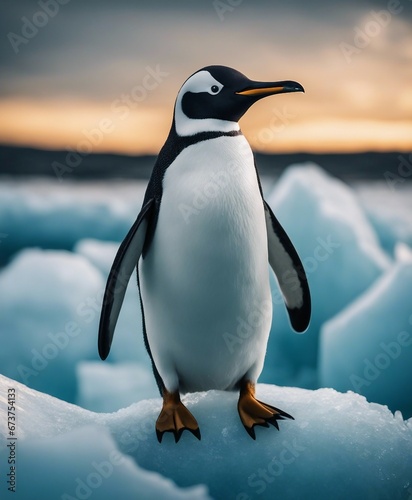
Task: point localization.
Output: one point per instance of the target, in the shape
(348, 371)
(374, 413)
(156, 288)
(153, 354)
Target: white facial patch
(202, 81)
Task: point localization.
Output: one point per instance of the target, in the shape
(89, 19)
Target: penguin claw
(176, 418)
(253, 412)
(177, 434)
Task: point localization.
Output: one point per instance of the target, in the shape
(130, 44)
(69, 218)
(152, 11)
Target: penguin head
(216, 97)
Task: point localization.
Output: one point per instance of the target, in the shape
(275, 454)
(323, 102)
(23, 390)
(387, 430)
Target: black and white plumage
(202, 256)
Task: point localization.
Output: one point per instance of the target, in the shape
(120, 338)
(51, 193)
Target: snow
(339, 446)
(90, 465)
(341, 255)
(367, 347)
(403, 253)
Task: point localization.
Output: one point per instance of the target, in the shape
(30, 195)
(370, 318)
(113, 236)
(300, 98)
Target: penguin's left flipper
(289, 271)
(124, 263)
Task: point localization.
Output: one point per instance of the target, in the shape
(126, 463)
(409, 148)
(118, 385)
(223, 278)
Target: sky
(103, 76)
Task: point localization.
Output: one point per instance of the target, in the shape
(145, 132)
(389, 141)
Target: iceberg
(339, 446)
(50, 304)
(107, 387)
(389, 210)
(100, 253)
(367, 347)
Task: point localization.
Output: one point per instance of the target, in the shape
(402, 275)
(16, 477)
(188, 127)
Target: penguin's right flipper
(291, 276)
(124, 263)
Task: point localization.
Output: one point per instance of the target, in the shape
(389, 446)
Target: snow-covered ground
(57, 243)
(339, 446)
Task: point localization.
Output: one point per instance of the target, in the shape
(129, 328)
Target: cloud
(96, 49)
(94, 52)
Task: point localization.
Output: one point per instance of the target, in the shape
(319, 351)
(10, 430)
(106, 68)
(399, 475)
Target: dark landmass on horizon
(21, 162)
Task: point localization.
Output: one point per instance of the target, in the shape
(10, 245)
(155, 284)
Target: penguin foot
(253, 412)
(175, 418)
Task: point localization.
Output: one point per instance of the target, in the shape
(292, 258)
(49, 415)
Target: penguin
(202, 245)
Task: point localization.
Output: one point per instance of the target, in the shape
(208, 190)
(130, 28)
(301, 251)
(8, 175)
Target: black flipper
(289, 271)
(124, 263)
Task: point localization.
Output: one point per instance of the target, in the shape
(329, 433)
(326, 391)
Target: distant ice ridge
(49, 214)
(339, 446)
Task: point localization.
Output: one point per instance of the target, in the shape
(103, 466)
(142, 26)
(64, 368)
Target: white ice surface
(338, 446)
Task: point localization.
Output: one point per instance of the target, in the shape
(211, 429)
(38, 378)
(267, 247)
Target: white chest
(207, 268)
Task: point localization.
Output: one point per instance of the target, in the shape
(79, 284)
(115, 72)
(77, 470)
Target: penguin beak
(264, 89)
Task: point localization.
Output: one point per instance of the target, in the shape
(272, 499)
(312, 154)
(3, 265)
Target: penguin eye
(214, 89)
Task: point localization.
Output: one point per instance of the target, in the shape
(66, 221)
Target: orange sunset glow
(74, 89)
